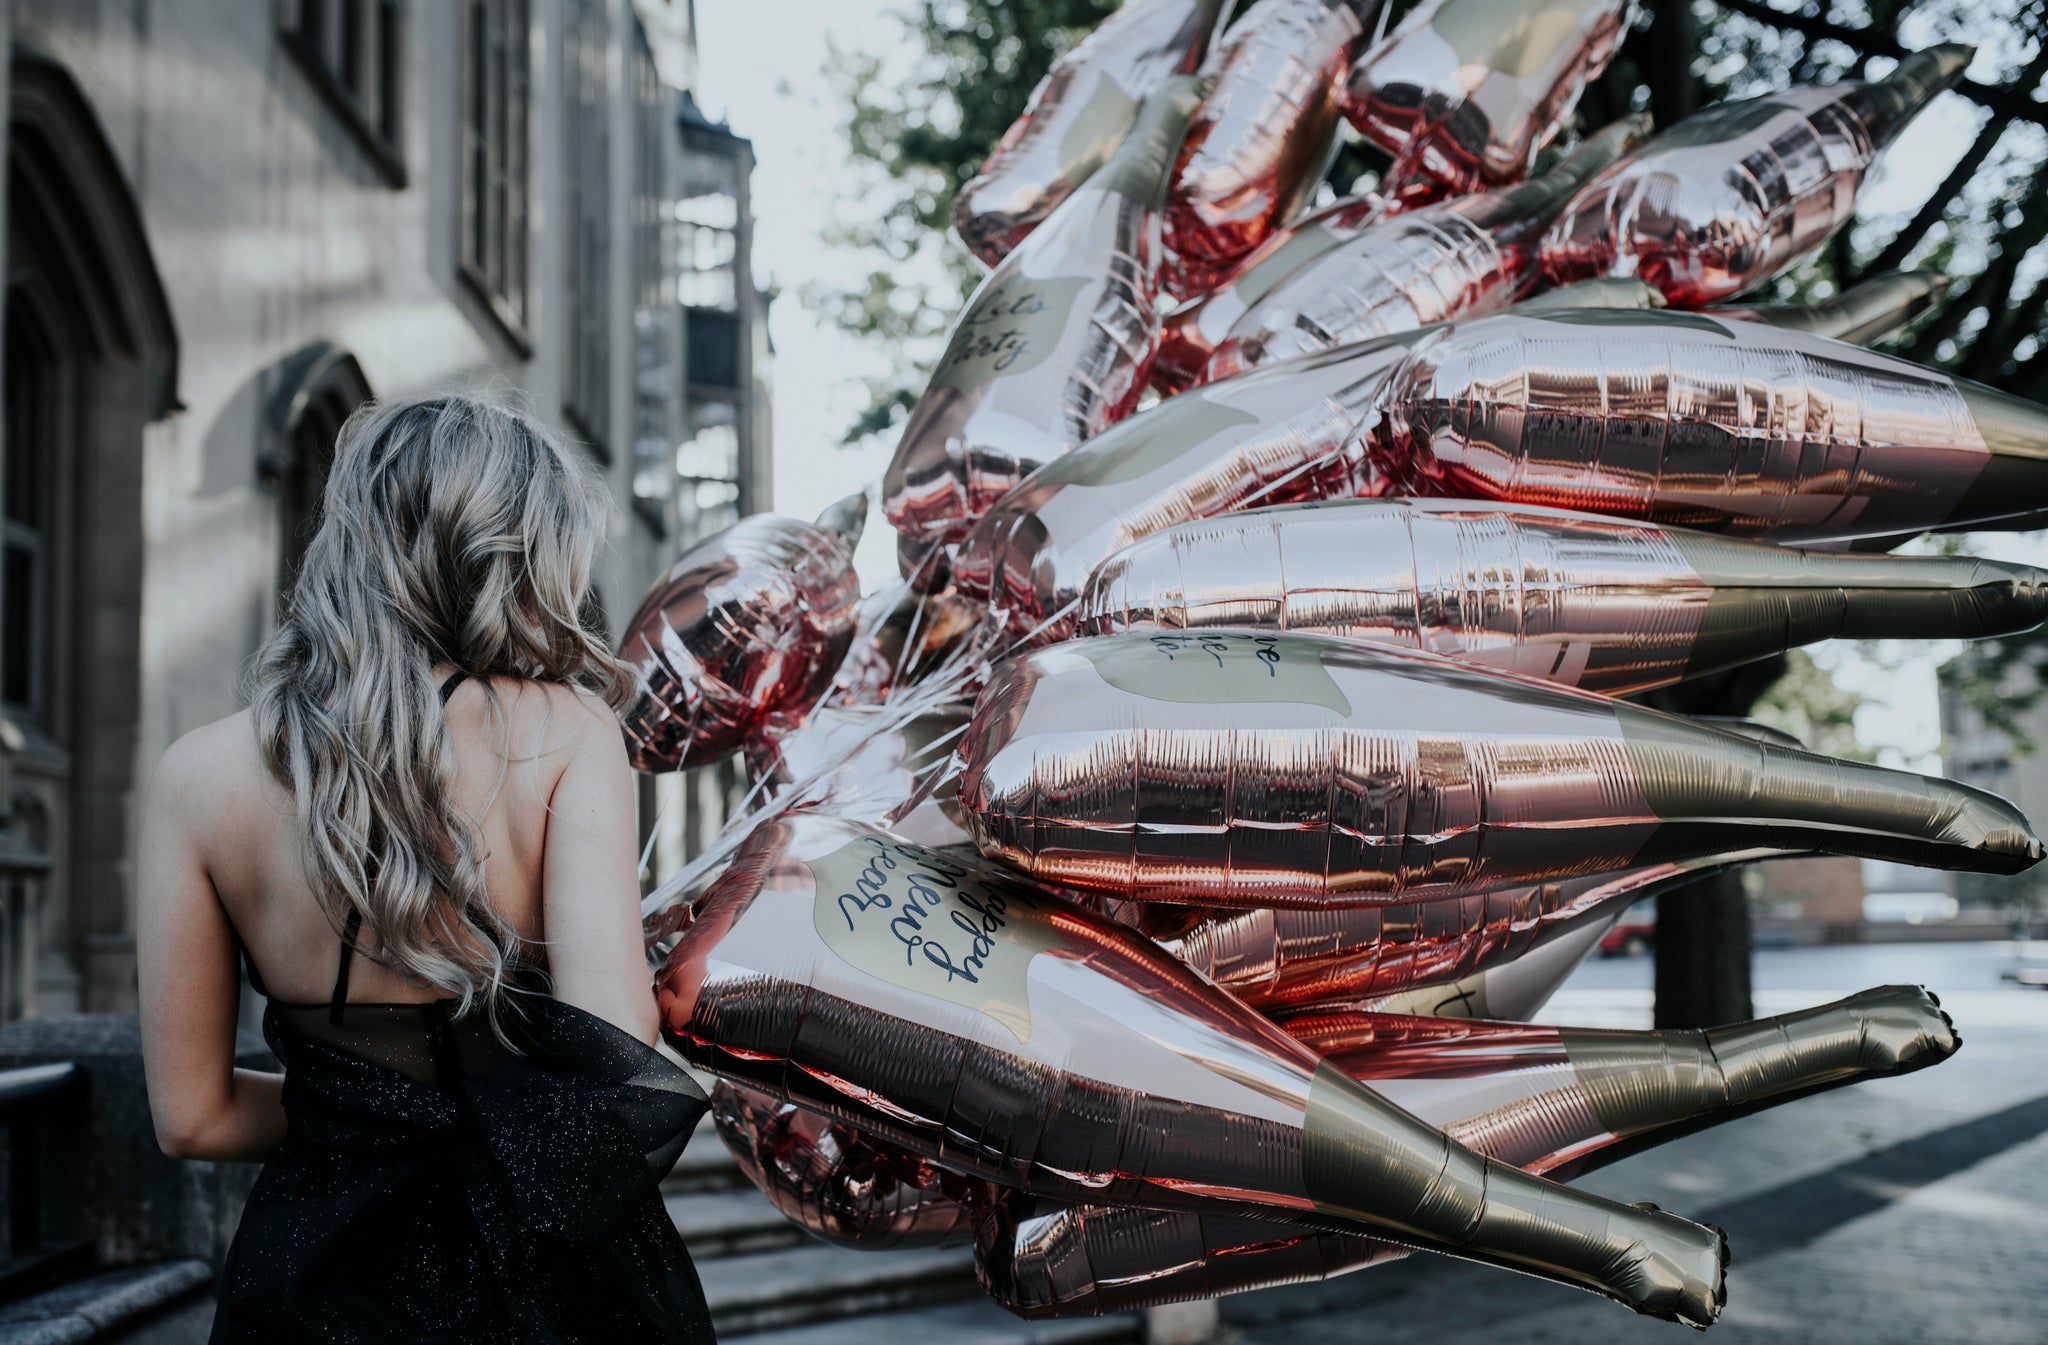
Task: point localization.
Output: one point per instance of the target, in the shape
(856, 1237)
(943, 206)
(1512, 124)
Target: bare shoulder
(215, 776)
(219, 755)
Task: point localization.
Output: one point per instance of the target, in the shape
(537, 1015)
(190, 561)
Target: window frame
(373, 115)
(586, 245)
(500, 241)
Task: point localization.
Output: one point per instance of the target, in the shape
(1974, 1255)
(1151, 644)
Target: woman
(420, 839)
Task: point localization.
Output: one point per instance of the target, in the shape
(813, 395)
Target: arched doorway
(319, 387)
(91, 359)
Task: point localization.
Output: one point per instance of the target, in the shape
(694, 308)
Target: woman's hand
(185, 952)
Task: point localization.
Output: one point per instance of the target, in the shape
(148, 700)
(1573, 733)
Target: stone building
(1977, 752)
(229, 222)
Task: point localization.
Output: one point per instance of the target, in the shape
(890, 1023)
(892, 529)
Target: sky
(768, 81)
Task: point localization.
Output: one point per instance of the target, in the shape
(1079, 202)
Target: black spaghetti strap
(353, 926)
(349, 929)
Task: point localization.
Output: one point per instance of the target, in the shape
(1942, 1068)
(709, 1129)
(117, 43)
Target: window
(350, 49)
(495, 170)
(711, 462)
(586, 55)
(25, 522)
(707, 467)
(655, 318)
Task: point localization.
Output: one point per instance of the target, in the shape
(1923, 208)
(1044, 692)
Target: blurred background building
(1994, 723)
(230, 225)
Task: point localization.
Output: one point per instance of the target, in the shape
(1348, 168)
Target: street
(1910, 1210)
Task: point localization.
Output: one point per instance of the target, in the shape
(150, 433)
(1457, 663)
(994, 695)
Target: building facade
(1978, 752)
(229, 223)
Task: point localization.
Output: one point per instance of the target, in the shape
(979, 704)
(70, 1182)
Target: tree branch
(2008, 102)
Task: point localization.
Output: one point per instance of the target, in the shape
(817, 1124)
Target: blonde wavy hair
(455, 531)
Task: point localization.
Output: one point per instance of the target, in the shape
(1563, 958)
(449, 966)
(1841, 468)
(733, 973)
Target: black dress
(433, 1186)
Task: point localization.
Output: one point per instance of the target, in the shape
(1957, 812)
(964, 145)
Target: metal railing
(34, 1101)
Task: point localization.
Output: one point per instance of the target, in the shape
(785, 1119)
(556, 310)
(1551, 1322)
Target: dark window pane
(349, 64)
(711, 348)
(313, 25)
(388, 73)
(19, 598)
(24, 485)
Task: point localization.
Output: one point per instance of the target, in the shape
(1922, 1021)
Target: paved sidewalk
(1911, 1210)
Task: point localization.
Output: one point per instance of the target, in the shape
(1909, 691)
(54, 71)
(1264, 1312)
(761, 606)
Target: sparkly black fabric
(435, 1186)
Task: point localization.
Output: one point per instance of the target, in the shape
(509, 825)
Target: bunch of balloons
(1154, 887)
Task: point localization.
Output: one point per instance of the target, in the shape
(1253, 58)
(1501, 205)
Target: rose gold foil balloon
(1867, 311)
(1543, 1098)
(747, 628)
(1578, 599)
(1274, 958)
(1264, 137)
(868, 764)
(1240, 769)
(1547, 1099)
(1190, 333)
(841, 1185)
(1052, 345)
(1733, 195)
(1861, 314)
(1472, 255)
(1291, 432)
(1076, 117)
(949, 1008)
(1297, 431)
(1689, 419)
(1465, 93)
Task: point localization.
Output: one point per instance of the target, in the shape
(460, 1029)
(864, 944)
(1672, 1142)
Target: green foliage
(918, 141)
(1810, 705)
(2002, 681)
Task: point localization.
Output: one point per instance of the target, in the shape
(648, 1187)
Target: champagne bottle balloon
(1264, 136)
(1583, 600)
(982, 1021)
(1076, 118)
(1466, 93)
(1734, 194)
(1700, 421)
(1232, 768)
(1551, 1099)
(1471, 255)
(1053, 345)
(1275, 958)
(1544, 1098)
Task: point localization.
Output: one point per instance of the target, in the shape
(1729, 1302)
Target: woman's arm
(590, 887)
(185, 952)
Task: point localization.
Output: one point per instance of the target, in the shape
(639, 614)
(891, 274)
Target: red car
(1632, 936)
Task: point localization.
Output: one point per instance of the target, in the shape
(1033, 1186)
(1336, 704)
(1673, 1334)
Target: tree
(919, 142)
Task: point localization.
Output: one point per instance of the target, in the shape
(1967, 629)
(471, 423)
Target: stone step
(974, 1323)
(95, 1306)
(728, 1223)
(816, 1282)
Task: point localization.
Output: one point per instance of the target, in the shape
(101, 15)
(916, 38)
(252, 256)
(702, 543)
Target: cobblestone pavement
(1911, 1210)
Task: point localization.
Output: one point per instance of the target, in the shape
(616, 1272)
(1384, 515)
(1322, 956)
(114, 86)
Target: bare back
(511, 760)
